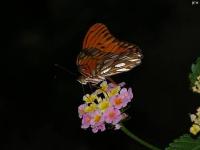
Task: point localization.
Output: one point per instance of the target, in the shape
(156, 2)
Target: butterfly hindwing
(118, 63)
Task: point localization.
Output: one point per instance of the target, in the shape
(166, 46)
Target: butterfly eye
(81, 54)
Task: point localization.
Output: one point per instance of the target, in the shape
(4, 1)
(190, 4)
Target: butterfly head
(82, 80)
(93, 80)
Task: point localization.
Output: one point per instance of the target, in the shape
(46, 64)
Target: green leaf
(198, 59)
(195, 71)
(193, 67)
(185, 142)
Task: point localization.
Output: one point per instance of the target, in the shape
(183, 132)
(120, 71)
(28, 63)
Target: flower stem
(134, 137)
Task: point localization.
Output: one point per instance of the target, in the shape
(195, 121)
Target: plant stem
(134, 137)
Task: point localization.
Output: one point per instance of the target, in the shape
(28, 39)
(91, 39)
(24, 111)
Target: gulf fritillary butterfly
(103, 55)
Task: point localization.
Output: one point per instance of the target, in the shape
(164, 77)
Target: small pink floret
(81, 110)
(112, 115)
(86, 121)
(100, 127)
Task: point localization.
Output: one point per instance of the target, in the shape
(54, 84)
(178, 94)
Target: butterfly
(103, 55)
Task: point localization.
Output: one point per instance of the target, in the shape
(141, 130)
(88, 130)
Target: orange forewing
(99, 37)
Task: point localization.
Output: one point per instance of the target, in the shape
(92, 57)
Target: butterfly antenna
(64, 69)
(83, 89)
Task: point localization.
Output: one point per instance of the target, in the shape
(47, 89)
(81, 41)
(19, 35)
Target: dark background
(39, 102)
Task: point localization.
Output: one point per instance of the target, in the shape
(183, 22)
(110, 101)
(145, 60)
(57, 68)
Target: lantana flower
(195, 118)
(196, 86)
(103, 107)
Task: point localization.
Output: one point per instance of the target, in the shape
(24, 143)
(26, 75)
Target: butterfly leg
(91, 89)
(83, 89)
(111, 80)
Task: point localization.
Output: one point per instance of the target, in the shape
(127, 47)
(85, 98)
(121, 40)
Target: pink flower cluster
(104, 107)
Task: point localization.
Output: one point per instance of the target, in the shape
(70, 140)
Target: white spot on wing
(132, 60)
(104, 71)
(138, 62)
(123, 69)
(102, 78)
(120, 65)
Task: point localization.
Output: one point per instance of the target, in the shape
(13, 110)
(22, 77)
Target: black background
(39, 102)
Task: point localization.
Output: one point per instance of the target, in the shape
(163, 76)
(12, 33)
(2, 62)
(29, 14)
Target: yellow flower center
(87, 119)
(111, 114)
(104, 105)
(118, 101)
(97, 118)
